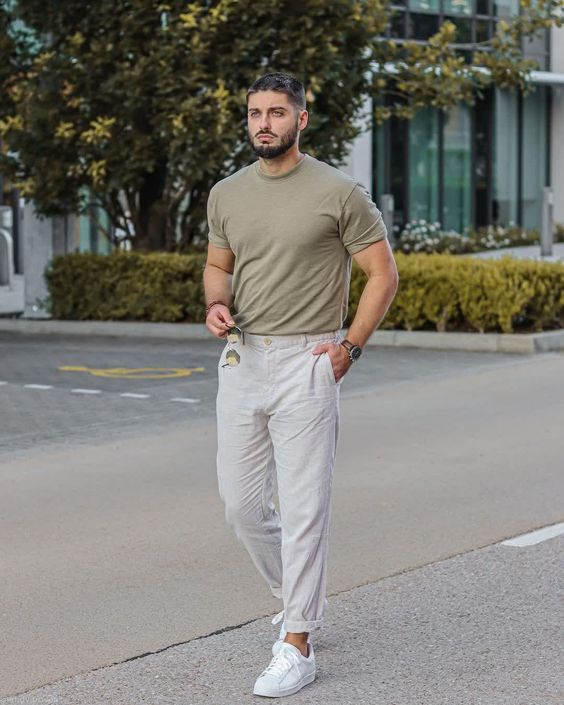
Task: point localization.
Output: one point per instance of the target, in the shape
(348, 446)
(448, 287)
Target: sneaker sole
(288, 691)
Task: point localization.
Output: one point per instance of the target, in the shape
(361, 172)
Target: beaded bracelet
(213, 303)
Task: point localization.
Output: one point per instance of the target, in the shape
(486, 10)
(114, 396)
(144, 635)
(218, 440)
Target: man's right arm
(218, 276)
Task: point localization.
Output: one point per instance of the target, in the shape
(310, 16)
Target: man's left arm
(377, 262)
(364, 235)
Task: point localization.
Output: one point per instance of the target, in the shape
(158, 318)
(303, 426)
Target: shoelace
(281, 663)
(278, 617)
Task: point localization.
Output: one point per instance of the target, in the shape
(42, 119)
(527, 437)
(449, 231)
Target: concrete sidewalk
(471, 630)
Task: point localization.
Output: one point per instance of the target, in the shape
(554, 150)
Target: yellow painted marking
(141, 373)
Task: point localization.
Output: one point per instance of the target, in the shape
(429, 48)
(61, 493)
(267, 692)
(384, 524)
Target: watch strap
(349, 347)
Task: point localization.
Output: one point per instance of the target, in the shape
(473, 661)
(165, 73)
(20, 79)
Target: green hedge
(436, 292)
(127, 286)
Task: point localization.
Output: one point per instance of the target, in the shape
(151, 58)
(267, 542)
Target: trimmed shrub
(436, 292)
(127, 286)
(445, 292)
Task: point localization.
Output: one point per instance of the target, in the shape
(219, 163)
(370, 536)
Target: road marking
(128, 395)
(3, 383)
(534, 537)
(137, 373)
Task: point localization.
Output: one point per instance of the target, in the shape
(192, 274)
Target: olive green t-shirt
(292, 236)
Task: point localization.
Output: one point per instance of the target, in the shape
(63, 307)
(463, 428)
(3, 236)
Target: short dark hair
(282, 83)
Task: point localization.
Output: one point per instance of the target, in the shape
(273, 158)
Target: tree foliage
(140, 104)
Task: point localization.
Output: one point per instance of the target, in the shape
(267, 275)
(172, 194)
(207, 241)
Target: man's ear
(302, 122)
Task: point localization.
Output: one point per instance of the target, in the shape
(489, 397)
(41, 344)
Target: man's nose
(264, 123)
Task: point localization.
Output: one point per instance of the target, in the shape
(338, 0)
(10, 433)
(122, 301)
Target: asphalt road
(113, 543)
(85, 379)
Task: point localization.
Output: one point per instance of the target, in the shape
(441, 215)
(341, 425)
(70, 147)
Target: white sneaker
(287, 672)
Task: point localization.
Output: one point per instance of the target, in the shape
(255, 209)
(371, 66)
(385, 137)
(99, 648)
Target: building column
(359, 159)
(43, 238)
(557, 125)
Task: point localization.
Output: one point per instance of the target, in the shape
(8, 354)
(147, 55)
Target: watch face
(356, 352)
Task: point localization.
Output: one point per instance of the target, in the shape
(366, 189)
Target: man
(281, 235)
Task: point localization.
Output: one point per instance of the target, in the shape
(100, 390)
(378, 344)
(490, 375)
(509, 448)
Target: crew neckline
(285, 175)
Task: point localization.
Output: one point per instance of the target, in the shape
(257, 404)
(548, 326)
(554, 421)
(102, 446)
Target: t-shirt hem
(353, 249)
(223, 246)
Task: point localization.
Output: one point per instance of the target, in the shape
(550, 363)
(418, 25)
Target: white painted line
(186, 400)
(38, 386)
(86, 391)
(135, 396)
(3, 383)
(533, 537)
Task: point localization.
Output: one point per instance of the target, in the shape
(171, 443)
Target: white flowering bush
(428, 237)
(423, 236)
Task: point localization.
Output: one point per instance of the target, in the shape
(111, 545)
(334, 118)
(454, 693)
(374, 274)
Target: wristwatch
(353, 350)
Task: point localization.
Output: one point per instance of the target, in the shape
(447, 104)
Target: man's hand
(219, 321)
(338, 357)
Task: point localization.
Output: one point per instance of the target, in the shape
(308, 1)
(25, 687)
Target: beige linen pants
(278, 411)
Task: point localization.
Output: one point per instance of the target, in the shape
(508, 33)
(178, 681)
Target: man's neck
(280, 165)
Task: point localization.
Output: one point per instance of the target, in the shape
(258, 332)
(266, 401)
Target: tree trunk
(151, 221)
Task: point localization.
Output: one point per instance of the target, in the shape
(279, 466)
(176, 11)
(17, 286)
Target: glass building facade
(474, 165)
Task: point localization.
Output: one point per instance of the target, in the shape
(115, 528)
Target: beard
(267, 151)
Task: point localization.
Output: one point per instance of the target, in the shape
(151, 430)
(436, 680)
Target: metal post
(547, 225)
(387, 208)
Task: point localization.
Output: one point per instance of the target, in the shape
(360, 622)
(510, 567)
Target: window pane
(457, 168)
(482, 158)
(463, 29)
(505, 158)
(534, 156)
(482, 7)
(424, 5)
(462, 7)
(398, 167)
(422, 26)
(379, 153)
(397, 25)
(424, 165)
(506, 8)
(482, 30)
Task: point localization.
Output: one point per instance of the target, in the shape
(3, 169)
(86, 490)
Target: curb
(524, 344)
(118, 329)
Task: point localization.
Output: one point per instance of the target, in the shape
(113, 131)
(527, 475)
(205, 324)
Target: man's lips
(265, 137)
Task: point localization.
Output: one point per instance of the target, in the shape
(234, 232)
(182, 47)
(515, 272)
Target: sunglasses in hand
(234, 336)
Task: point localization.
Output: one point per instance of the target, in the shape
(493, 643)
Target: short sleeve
(216, 236)
(361, 223)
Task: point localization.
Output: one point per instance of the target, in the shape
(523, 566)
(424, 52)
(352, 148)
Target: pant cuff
(303, 625)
